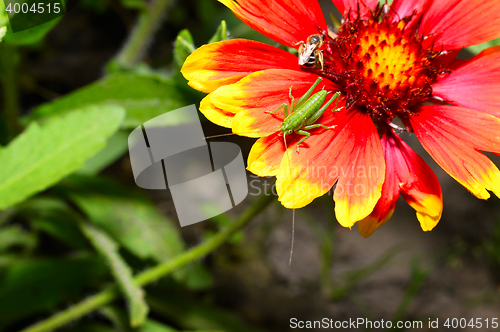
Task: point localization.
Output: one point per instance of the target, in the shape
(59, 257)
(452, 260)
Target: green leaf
(116, 147)
(121, 272)
(220, 34)
(56, 218)
(4, 17)
(476, 49)
(39, 286)
(126, 215)
(183, 47)
(30, 36)
(14, 236)
(143, 97)
(41, 156)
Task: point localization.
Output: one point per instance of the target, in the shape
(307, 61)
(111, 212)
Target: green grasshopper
(305, 112)
(302, 118)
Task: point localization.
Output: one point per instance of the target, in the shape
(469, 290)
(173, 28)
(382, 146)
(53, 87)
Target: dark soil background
(400, 272)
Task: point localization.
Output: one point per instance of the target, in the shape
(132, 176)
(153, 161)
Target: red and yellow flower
(390, 63)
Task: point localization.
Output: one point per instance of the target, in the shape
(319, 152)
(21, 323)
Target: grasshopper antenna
(293, 236)
(293, 199)
(221, 135)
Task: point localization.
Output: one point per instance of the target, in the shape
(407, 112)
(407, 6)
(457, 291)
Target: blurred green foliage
(51, 190)
(142, 96)
(43, 155)
(39, 285)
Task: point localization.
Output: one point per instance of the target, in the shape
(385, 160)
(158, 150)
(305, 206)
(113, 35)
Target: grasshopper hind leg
(305, 133)
(284, 105)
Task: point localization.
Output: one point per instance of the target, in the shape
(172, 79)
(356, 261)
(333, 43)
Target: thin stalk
(159, 271)
(142, 34)
(108, 249)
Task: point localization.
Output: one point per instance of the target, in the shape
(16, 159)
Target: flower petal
(461, 23)
(350, 7)
(475, 84)
(407, 7)
(287, 22)
(263, 91)
(254, 123)
(266, 155)
(215, 114)
(385, 206)
(406, 173)
(311, 172)
(360, 159)
(350, 153)
(390, 193)
(453, 136)
(226, 62)
(429, 206)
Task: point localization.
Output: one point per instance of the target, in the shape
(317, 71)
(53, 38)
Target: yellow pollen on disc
(388, 59)
(382, 66)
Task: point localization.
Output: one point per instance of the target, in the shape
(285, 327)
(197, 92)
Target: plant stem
(108, 249)
(142, 34)
(8, 64)
(109, 294)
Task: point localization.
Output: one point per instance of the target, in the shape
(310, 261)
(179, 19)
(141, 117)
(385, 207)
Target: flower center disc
(381, 65)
